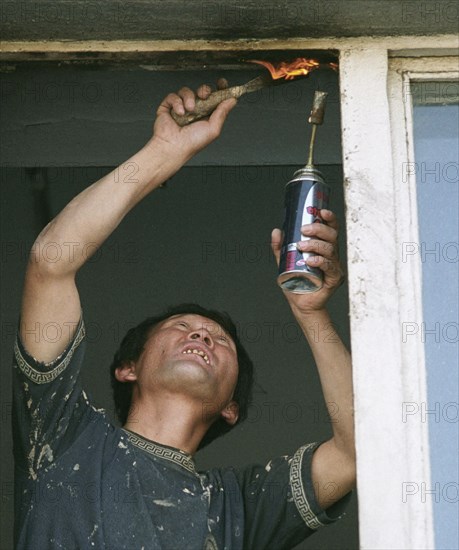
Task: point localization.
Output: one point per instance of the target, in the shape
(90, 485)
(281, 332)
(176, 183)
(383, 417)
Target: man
(180, 380)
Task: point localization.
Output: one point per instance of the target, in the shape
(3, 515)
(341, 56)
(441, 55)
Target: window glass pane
(436, 139)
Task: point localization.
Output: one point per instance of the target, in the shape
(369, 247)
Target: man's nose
(204, 335)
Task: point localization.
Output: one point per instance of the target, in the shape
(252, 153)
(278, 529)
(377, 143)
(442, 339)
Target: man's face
(191, 355)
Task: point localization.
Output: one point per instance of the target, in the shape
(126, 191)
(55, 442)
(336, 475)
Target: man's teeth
(198, 352)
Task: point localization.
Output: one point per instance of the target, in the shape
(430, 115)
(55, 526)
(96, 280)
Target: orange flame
(298, 67)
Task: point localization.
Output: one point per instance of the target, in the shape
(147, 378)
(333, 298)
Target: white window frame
(385, 292)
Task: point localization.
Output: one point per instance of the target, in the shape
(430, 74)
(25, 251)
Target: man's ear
(126, 373)
(231, 413)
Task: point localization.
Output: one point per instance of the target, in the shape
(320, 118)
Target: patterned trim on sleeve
(299, 494)
(48, 376)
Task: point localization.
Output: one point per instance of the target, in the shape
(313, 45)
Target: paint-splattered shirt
(83, 483)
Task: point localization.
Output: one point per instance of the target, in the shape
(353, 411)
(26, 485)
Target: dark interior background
(204, 237)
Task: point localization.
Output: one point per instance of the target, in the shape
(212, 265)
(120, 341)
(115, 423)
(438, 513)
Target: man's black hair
(133, 344)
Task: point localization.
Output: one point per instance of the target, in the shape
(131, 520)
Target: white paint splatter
(268, 466)
(46, 452)
(166, 503)
(205, 490)
(96, 527)
(187, 491)
(76, 467)
(30, 459)
(121, 445)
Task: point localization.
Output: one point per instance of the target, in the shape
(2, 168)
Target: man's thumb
(276, 243)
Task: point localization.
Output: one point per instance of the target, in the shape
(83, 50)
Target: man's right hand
(184, 142)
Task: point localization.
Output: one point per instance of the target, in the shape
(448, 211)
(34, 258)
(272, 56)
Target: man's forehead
(199, 320)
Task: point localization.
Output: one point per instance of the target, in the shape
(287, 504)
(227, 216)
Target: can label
(305, 196)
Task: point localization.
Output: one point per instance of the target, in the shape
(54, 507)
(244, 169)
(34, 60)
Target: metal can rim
(307, 174)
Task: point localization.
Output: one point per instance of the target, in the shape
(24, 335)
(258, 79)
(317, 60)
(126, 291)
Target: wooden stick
(204, 107)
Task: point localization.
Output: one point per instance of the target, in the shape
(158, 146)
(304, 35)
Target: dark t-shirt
(83, 483)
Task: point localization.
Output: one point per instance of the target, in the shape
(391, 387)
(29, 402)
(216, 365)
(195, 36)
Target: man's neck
(169, 420)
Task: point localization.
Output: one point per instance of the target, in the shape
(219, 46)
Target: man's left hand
(323, 243)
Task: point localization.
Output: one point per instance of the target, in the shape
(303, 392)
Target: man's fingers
(319, 247)
(330, 218)
(185, 100)
(222, 83)
(204, 91)
(276, 243)
(172, 101)
(188, 97)
(276, 239)
(334, 275)
(320, 231)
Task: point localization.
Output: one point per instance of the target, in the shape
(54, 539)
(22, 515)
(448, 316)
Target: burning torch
(283, 73)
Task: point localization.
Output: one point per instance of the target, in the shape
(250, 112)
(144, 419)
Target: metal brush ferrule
(315, 118)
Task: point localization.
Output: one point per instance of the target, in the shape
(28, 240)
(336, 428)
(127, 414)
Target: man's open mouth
(199, 352)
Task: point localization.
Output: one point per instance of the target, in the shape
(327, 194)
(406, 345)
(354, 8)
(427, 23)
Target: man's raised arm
(333, 463)
(50, 294)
